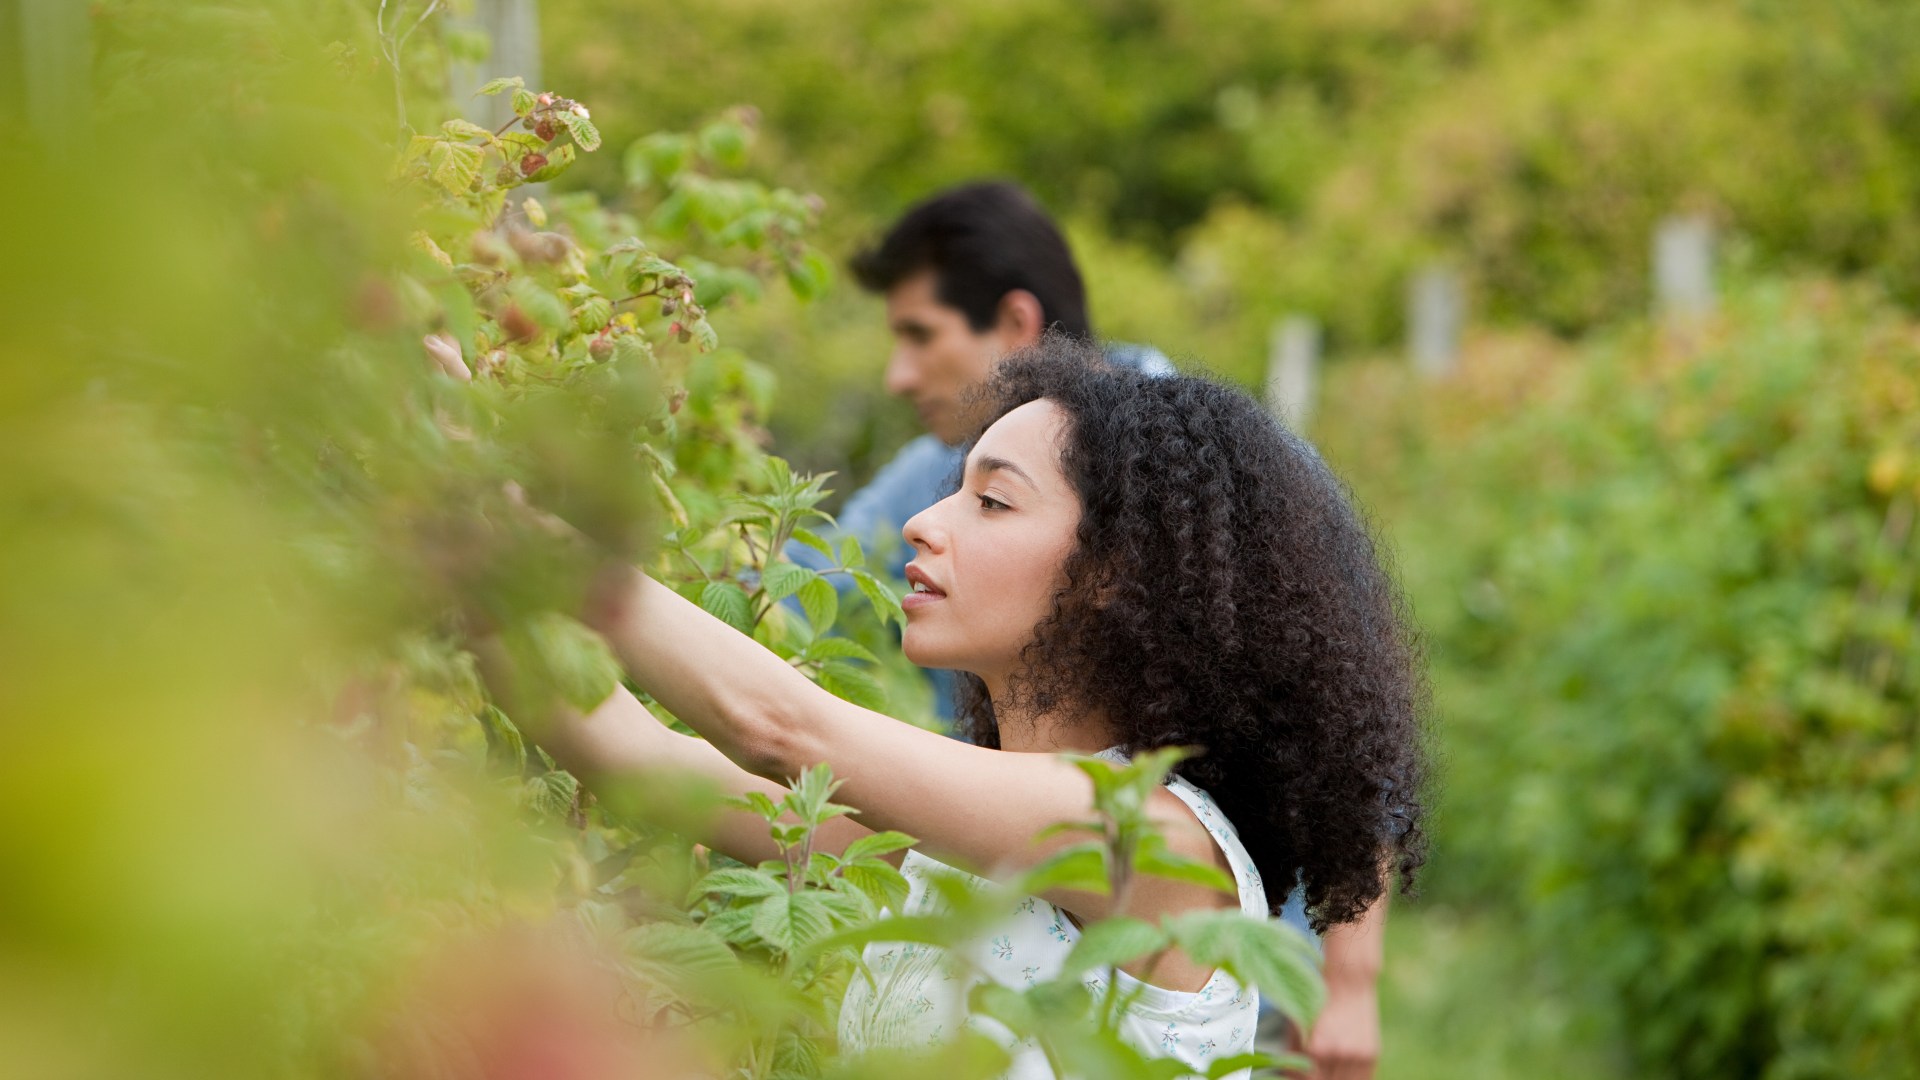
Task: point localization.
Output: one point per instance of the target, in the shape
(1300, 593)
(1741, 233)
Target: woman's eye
(988, 502)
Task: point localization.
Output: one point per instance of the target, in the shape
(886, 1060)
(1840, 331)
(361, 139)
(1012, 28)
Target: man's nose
(902, 379)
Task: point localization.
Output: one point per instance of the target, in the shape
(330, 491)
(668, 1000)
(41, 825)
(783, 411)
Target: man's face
(937, 357)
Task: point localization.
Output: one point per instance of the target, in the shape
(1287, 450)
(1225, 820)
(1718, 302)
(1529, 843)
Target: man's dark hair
(982, 241)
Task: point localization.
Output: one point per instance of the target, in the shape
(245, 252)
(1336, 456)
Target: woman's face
(988, 558)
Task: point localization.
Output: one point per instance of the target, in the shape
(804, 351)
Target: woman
(1129, 562)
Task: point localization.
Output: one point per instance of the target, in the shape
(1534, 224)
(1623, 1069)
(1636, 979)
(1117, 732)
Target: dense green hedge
(1308, 154)
(1670, 587)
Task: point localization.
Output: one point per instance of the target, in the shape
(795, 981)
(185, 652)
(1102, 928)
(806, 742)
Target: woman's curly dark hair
(1225, 593)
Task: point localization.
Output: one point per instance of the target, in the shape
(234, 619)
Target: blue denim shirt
(921, 474)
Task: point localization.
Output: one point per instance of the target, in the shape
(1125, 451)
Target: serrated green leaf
(885, 603)
(758, 802)
(728, 602)
(671, 952)
(821, 602)
(853, 684)
(495, 86)
(505, 745)
(592, 314)
(875, 844)
(705, 338)
(783, 579)
(881, 883)
(454, 166)
(1228, 1066)
(792, 921)
(566, 656)
(582, 130)
(809, 275)
(813, 540)
(465, 129)
(1263, 953)
(1156, 860)
(737, 881)
(541, 304)
(1113, 942)
(838, 648)
(523, 101)
(1079, 866)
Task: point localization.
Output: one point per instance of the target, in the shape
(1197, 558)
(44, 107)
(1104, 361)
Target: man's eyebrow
(990, 463)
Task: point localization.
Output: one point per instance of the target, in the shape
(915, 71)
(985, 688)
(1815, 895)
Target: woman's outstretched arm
(977, 808)
(621, 742)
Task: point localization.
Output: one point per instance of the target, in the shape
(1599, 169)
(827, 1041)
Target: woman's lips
(914, 600)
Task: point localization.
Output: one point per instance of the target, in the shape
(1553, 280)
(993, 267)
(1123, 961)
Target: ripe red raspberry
(546, 130)
(532, 163)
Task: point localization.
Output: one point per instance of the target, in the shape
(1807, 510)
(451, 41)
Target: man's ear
(1019, 320)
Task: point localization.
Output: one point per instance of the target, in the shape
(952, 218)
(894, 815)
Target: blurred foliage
(1670, 584)
(1307, 155)
(310, 401)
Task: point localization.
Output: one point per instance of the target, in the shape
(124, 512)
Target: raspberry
(532, 163)
(600, 348)
(546, 130)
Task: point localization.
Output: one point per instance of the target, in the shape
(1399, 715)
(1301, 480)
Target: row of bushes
(1307, 155)
(1670, 584)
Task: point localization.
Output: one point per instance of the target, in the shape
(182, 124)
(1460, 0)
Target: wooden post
(513, 28)
(1293, 370)
(1436, 313)
(1683, 267)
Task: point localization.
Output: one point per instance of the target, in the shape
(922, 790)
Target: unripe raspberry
(600, 348)
(519, 326)
(532, 163)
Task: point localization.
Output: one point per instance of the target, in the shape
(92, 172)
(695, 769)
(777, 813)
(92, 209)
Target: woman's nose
(922, 531)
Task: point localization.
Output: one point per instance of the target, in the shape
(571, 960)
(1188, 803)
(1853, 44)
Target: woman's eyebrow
(987, 464)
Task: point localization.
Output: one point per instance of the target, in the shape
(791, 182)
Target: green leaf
(905, 929)
(505, 745)
(821, 603)
(735, 881)
(592, 314)
(854, 684)
(809, 275)
(523, 101)
(758, 802)
(885, 603)
(495, 86)
(879, 843)
(559, 160)
(725, 142)
(791, 921)
(566, 656)
(454, 166)
(584, 133)
(838, 648)
(1227, 1066)
(541, 304)
(704, 335)
(673, 951)
(1154, 858)
(884, 885)
(782, 579)
(1112, 942)
(728, 602)
(465, 129)
(1078, 866)
(1263, 953)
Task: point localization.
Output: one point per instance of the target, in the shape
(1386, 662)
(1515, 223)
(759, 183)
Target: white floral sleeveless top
(918, 993)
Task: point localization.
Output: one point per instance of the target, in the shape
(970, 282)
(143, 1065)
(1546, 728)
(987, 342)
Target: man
(969, 276)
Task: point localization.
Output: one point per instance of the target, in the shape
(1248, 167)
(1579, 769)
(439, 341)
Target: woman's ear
(1019, 320)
